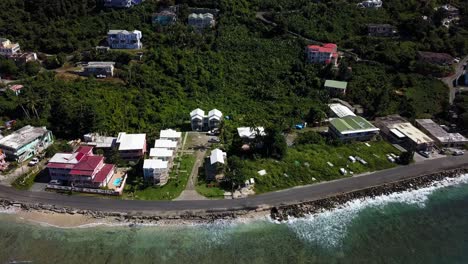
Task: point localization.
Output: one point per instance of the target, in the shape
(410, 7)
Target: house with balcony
(163, 154)
(352, 128)
(166, 143)
(123, 39)
(99, 68)
(326, 54)
(81, 168)
(26, 142)
(201, 122)
(215, 165)
(8, 48)
(131, 147)
(156, 171)
(121, 3)
(381, 30)
(201, 21)
(170, 134)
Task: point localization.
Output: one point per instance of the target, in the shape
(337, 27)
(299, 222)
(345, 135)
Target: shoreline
(49, 215)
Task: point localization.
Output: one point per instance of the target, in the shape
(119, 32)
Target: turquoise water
(425, 226)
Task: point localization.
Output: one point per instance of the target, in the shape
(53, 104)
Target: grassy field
(306, 164)
(172, 189)
(209, 192)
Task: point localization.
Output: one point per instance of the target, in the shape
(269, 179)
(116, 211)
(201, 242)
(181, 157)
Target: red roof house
(81, 168)
(325, 54)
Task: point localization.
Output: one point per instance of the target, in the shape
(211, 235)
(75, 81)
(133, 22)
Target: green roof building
(336, 87)
(352, 128)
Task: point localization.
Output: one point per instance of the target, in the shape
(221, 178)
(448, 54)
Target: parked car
(456, 60)
(425, 154)
(33, 162)
(214, 140)
(458, 153)
(55, 182)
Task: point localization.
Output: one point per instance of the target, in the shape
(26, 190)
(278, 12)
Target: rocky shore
(283, 213)
(279, 213)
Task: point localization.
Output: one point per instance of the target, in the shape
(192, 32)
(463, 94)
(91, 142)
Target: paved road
(290, 196)
(449, 80)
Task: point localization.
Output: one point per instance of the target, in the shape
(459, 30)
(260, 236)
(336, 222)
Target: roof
(131, 141)
(170, 133)
(328, 47)
(201, 16)
(341, 110)
(352, 124)
(197, 113)
(23, 136)
(439, 133)
(250, 132)
(161, 152)
(102, 174)
(397, 133)
(216, 156)
(99, 141)
(414, 134)
(426, 55)
(121, 31)
(165, 143)
(155, 164)
(100, 64)
(16, 87)
(215, 113)
(336, 84)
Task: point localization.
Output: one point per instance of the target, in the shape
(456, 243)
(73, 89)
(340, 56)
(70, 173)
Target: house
(439, 135)
(201, 21)
(8, 48)
(170, 134)
(156, 171)
(165, 143)
(26, 142)
(352, 128)
(201, 122)
(370, 4)
(121, 3)
(450, 11)
(164, 18)
(23, 57)
(381, 30)
(435, 58)
(326, 54)
(249, 133)
(99, 142)
(399, 131)
(131, 146)
(336, 87)
(99, 68)
(123, 39)
(16, 88)
(339, 110)
(217, 156)
(163, 154)
(81, 168)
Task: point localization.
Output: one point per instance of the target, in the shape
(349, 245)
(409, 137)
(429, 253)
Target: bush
(309, 137)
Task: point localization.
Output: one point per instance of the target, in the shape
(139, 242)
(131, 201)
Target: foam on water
(329, 227)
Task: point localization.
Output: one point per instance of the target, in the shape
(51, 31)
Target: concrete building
(81, 168)
(249, 133)
(26, 142)
(381, 30)
(326, 54)
(218, 156)
(8, 48)
(336, 88)
(399, 131)
(370, 4)
(123, 39)
(170, 134)
(352, 128)
(439, 135)
(201, 122)
(201, 21)
(164, 18)
(166, 143)
(339, 110)
(131, 147)
(99, 142)
(156, 171)
(23, 57)
(163, 154)
(99, 68)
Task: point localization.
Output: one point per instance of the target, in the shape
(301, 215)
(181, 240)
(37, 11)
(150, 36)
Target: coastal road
(285, 197)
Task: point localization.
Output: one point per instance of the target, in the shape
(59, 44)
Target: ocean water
(429, 225)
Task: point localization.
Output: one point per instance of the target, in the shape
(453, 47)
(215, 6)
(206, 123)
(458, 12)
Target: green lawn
(26, 181)
(209, 192)
(304, 163)
(172, 189)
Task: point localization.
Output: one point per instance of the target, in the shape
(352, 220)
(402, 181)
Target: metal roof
(336, 84)
(352, 124)
(161, 152)
(170, 133)
(165, 143)
(216, 156)
(250, 132)
(23, 136)
(155, 164)
(341, 110)
(131, 141)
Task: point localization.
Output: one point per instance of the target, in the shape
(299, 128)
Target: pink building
(81, 168)
(326, 54)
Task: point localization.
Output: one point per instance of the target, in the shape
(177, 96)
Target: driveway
(450, 79)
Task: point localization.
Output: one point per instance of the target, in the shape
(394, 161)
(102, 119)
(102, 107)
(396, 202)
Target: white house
(156, 171)
(161, 153)
(165, 143)
(202, 122)
(250, 132)
(123, 39)
(131, 146)
(214, 118)
(201, 21)
(170, 134)
(8, 48)
(218, 156)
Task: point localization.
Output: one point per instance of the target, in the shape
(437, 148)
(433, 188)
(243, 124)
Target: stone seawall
(283, 213)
